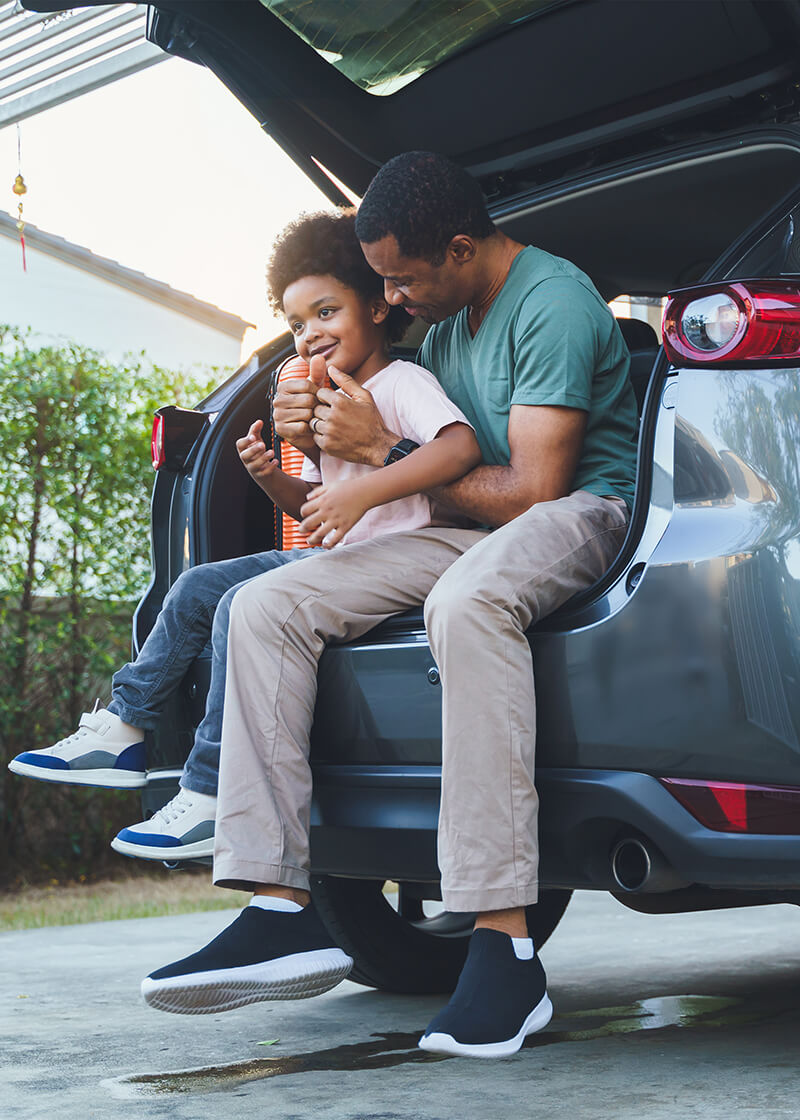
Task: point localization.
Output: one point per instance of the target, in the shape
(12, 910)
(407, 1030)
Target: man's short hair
(424, 200)
(325, 244)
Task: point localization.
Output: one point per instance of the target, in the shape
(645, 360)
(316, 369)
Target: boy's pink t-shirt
(413, 403)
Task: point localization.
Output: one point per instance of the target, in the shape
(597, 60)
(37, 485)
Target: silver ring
(314, 421)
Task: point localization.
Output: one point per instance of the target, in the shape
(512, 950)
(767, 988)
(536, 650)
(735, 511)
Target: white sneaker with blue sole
(104, 751)
(182, 829)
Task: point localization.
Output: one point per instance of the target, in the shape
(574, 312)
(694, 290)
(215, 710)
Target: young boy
(335, 308)
(334, 305)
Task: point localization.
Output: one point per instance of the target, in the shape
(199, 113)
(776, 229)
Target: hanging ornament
(19, 190)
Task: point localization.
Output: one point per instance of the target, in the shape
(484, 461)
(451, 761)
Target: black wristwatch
(402, 448)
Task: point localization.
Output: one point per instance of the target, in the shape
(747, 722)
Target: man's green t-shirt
(549, 338)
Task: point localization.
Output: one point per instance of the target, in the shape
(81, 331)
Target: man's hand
(331, 511)
(293, 407)
(351, 427)
(258, 460)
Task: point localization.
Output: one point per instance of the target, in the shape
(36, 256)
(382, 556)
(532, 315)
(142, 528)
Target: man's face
(431, 292)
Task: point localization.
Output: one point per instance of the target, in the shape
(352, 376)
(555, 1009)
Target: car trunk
(513, 91)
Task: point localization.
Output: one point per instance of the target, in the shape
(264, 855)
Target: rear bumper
(380, 822)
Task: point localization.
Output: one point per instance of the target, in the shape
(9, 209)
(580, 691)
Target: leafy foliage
(74, 555)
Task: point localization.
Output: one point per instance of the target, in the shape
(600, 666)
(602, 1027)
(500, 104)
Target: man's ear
(380, 309)
(462, 248)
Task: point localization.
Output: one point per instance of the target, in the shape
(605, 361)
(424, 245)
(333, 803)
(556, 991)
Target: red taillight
(737, 807)
(745, 321)
(176, 434)
(157, 443)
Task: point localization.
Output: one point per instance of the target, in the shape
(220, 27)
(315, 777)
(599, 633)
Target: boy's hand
(293, 406)
(331, 511)
(259, 461)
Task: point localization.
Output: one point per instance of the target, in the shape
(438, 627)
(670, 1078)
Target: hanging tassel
(19, 190)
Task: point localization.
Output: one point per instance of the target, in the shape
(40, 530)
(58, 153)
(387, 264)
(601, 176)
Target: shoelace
(86, 725)
(173, 809)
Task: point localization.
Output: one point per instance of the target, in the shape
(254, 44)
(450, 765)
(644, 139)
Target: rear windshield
(382, 45)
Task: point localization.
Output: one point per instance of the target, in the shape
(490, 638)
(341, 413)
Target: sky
(165, 172)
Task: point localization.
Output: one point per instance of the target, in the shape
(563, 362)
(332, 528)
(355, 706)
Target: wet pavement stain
(386, 1050)
(382, 1052)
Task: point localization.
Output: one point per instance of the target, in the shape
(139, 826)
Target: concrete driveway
(686, 1016)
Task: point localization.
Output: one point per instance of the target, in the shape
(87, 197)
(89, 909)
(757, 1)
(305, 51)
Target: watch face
(402, 448)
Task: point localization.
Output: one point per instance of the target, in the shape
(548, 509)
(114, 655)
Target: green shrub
(74, 556)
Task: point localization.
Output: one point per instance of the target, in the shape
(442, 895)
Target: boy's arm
(287, 492)
(331, 511)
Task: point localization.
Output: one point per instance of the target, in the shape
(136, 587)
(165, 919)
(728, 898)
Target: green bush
(74, 556)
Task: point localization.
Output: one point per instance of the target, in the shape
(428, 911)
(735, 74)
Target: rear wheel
(404, 950)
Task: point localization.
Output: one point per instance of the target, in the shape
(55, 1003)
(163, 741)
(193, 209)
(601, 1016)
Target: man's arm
(545, 443)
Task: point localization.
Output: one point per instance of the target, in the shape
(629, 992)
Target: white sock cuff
(273, 902)
(523, 948)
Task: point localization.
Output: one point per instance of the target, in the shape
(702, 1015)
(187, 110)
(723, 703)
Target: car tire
(414, 954)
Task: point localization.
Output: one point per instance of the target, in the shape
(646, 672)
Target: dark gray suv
(656, 145)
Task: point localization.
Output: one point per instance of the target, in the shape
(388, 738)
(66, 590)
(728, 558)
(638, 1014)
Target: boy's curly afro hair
(325, 244)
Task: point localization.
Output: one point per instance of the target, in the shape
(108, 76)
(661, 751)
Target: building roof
(123, 277)
(47, 58)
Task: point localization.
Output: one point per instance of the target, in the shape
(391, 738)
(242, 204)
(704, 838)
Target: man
(527, 348)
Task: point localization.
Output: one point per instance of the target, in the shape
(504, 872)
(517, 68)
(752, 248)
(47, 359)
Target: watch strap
(402, 448)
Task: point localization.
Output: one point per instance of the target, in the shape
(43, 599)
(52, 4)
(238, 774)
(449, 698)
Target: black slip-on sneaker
(499, 1000)
(262, 955)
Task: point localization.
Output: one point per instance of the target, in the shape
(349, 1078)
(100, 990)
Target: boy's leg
(184, 827)
(181, 632)
(108, 749)
(280, 624)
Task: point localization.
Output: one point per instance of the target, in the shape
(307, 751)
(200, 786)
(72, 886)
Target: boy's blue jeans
(196, 609)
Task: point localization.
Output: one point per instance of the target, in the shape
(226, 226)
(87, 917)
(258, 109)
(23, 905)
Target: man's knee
(451, 599)
(466, 604)
(260, 603)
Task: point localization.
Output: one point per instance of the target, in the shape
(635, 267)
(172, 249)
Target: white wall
(60, 301)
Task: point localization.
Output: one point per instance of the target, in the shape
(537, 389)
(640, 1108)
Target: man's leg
(280, 624)
(477, 617)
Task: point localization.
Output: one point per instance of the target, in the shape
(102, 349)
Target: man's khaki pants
(481, 591)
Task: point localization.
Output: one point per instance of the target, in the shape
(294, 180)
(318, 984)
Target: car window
(776, 253)
(382, 45)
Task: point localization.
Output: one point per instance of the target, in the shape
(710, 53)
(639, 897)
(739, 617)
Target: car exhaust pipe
(636, 866)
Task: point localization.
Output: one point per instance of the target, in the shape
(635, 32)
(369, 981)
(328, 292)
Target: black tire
(397, 954)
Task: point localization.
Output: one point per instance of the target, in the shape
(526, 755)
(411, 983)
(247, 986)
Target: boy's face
(328, 318)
